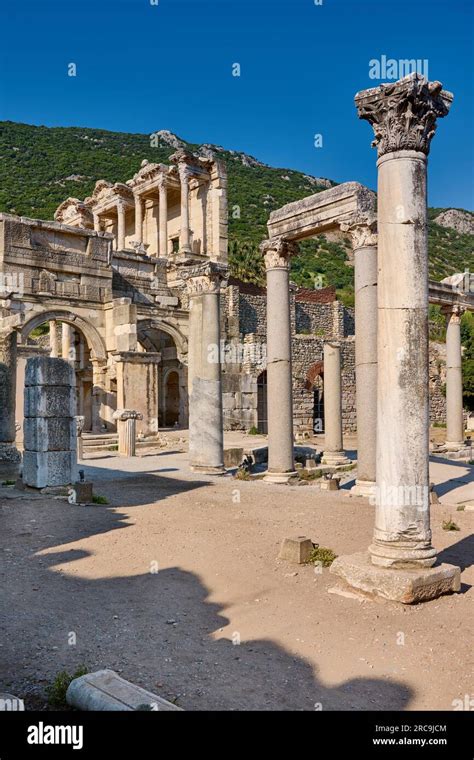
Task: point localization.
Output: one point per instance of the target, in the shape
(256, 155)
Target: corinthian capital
(204, 278)
(403, 114)
(277, 253)
(362, 229)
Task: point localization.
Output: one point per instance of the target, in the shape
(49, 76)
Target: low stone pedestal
(364, 488)
(335, 458)
(330, 484)
(233, 457)
(127, 431)
(84, 492)
(407, 586)
(296, 549)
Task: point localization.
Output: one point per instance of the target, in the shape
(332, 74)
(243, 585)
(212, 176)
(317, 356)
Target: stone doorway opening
(315, 384)
(262, 413)
(171, 400)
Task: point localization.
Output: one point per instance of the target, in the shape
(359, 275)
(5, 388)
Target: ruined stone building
(105, 278)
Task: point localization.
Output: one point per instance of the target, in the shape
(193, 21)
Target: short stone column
(120, 226)
(401, 556)
(50, 438)
(454, 405)
(53, 338)
(10, 457)
(364, 243)
(138, 218)
(163, 218)
(127, 431)
(184, 234)
(281, 464)
(333, 447)
(96, 219)
(68, 348)
(206, 432)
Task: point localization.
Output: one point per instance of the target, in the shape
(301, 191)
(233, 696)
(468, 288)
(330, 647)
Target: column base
(10, 461)
(405, 557)
(364, 488)
(453, 445)
(208, 469)
(335, 458)
(408, 586)
(279, 477)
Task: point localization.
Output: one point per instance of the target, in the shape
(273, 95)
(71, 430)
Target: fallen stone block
(296, 549)
(233, 457)
(330, 484)
(106, 690)
(82, 492)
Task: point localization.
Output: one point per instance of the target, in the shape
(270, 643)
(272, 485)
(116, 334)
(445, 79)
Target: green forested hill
(41, 166)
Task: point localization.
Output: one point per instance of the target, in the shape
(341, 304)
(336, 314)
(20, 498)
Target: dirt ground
(176, 585)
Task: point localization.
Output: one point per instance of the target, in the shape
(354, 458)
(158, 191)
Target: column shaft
(53, 338)
(120, 226)
(402, 535)
(333, 447)
(138, 219)
(454, 404)
(184, 235)
(163, 221)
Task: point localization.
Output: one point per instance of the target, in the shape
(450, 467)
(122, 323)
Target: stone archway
(166, 338)
(82, 345)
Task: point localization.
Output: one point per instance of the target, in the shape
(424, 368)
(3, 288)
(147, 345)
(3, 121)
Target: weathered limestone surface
(296, 549)
(408, 586)
(206, 431)
(50, 437)
(106, 690)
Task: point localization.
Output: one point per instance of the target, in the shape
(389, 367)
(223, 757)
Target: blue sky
(144, 67)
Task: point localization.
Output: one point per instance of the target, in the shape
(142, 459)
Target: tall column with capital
(454, 407)
(120, 226)
(364, 244)
(163, 218)
(281, 463)
(403, 115)
(184, 234)
(138, 218)
(206, 432)
(68, 350)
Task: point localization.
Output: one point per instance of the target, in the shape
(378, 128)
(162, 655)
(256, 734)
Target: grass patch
(253, 431)
(450, 525)
(8, 482)
(460, 508)
(114, 447)
(309, 474)
(322, 555)
(56, 692)
(97, 499)
(242, 474)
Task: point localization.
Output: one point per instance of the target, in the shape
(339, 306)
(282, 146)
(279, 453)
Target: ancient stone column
(333, 448)
(53, 338)
(138, 218)
(163, 218)
(99, 396)
(96, 218)
(206, 434)
(364, 244)
(399, 565)
(184, 234)
(127, 431)
(9, 456)
(80, 420)
(454, 405)
(68, 350)
(281, 465)
(120, 226)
